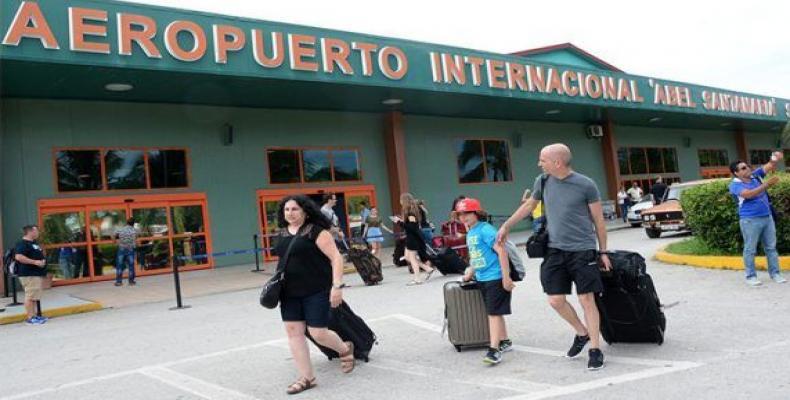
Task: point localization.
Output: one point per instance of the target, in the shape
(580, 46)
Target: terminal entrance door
(348, 209)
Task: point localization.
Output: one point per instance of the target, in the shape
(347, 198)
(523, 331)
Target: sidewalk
(73, 299)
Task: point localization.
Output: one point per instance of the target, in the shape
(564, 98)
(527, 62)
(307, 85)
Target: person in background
(635, 193)
(658, 190)
(415, 252)
(426, 227)
(31, 270)
(490, 267)
(624, 201)
(364, 213)
(126, 237)
(328, 209)
(66, 262)
(372, 233)
(757, 223)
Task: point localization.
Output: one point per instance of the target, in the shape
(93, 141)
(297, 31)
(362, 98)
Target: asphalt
(724, 341)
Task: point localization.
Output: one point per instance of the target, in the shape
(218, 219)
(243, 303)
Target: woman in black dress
(313, 283)
(415, 242)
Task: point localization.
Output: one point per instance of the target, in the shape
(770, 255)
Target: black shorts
(313, 309)
(495, 297)
(561, 268)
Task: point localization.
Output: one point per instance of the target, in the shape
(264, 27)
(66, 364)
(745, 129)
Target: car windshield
(674, 193)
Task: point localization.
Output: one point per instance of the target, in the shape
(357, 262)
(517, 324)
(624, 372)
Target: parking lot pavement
(724, 340)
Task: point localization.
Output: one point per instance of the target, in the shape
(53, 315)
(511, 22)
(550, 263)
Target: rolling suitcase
(367, 265)
(447, 261)
(629, 305)
(351, 328)
(465, 315)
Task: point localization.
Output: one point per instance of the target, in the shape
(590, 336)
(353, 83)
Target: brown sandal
(347, 361)
(301, 385)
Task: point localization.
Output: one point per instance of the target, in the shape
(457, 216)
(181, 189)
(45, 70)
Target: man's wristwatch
(340, 286)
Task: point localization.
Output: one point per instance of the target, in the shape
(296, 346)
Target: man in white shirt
(635, 192)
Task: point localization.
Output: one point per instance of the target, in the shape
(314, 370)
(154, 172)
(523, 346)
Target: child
(490, 267)
(372, 233)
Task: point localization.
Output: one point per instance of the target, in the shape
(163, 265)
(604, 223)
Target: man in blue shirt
(754, 209)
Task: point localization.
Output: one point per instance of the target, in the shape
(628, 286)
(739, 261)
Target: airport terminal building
(196, 124)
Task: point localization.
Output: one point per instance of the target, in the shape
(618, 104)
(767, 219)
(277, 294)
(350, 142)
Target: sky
(742, 46)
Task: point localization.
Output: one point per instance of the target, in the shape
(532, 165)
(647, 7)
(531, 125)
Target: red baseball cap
(468, 205)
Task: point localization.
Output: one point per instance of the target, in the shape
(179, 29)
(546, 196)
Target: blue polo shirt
(482, 257)
(758, 206)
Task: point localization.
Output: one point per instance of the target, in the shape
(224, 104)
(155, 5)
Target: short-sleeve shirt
(636, 194)
(567, 211)
(482, 257)
(758, 206)
(364, 214)
(33, 251)
(127, 237)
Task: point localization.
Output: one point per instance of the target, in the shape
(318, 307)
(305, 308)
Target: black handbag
(270, 295)
(538, 243)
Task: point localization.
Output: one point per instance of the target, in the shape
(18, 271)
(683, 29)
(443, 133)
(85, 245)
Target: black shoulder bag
(538, 243)
(270, 295)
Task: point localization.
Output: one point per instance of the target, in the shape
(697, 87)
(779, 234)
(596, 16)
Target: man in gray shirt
(574, 219)
(126, 238)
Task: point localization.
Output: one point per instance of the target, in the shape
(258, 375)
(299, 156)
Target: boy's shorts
(495, 297)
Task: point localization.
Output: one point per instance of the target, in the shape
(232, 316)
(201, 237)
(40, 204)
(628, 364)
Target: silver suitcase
(465, 315)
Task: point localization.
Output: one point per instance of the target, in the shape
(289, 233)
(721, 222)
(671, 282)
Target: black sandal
(301, 385)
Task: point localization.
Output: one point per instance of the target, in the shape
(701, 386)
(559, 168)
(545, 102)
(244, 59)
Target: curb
(54, 312)
(717, 262)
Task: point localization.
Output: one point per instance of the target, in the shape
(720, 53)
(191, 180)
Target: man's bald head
(557, 152)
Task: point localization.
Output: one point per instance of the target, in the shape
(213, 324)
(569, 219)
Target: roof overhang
(71, 50)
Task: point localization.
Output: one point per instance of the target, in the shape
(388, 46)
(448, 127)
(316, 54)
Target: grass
(695, 247)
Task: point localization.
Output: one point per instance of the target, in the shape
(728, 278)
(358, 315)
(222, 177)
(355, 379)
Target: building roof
(560, 51)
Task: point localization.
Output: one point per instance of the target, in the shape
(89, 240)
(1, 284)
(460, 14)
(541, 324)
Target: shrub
(712, 214)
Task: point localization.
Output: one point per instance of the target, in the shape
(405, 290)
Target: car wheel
(636, 225)
(653, 233)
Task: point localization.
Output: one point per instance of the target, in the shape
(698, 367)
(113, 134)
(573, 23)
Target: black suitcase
(447, 261)
(629, 306)
(351, 328)
(367, 265)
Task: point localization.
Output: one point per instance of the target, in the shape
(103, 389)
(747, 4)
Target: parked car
(635, 211)
(668, 216)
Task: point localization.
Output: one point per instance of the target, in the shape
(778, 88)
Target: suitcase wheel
(458, 348)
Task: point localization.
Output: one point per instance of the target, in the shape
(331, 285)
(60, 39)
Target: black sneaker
(493, 357)
(505, 346)
(578, 345)
(596, 360)
(132, 283)
(118, 284)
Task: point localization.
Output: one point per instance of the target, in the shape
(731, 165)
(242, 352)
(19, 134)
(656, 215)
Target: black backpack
(9, 262)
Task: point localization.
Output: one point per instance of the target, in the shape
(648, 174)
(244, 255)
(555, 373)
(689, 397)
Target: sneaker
(505, 346)
(753, 281)
(33, 321)
(132, 283)
(118, 283)
(42, 319)
(493, 357)
(778, 278)
(578, 345)
(596, 360)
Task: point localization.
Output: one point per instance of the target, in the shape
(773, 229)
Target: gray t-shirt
(127, 237)
(567, 211)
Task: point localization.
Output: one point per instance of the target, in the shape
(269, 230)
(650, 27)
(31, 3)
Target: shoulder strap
(543, 199)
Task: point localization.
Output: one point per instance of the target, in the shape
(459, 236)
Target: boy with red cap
(490, 267)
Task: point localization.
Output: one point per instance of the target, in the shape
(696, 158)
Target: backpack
(9, 261)
(517, 269)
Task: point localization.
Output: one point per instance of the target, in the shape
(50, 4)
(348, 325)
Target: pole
(38, 308)
(257, 253)
(14, 301)
(177, 281)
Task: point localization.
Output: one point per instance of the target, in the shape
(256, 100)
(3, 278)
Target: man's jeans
(754, 230)
(125, 259)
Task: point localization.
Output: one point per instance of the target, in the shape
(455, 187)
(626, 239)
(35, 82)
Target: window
(168, 168)
(651, 160)
(313, 165)
(483, 161)
(759, 157)
(78, 170)
(713, 158)
(120, 169)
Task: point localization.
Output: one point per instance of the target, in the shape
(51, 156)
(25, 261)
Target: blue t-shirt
(482, 257)
(758, 206)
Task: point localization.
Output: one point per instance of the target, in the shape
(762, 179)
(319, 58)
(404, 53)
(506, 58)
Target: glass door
(190, 245)
(103, 222)
(65, 243)
(154, 245)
